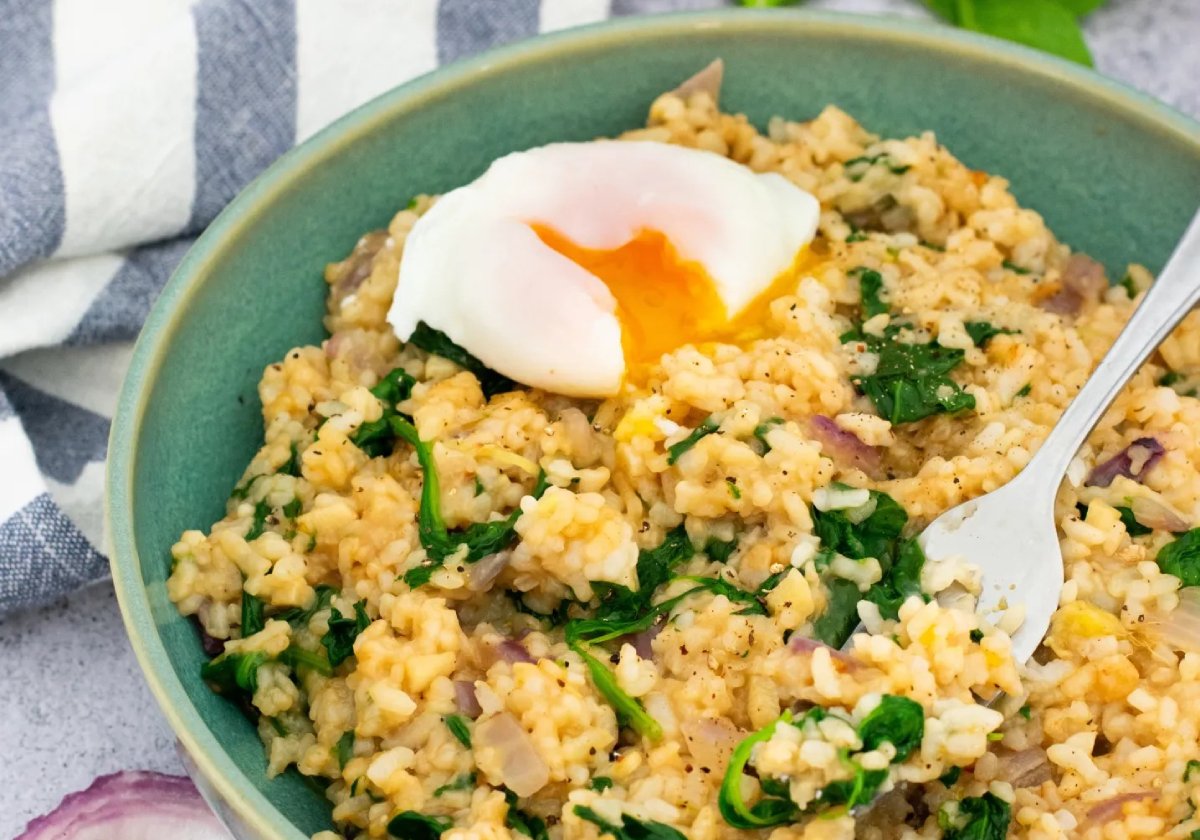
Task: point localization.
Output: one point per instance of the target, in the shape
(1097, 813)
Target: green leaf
(343, 630)
(900, 582)
(769, 810)
(1079, 8)
(600, 783)
(1129, 286)
(481, 538)
(980, 818)
(292, 509)
(410, 825)
(344, 750)
(870, 290)
(719, 551)
(457, 724)
(850, 793)
(837, 622)
(377, 438)
(464, 782)
(911, 381)
(299, 617)
(438, 343)
(947, 9)
(676, 450)
(982, 332)
(875, 536)
(262, 509)
(523, 822)
(292, 465)
(1025, 712)
(760, 431)
(898, 721)
(630, 828)
(630, 711)
(296, 657)
(1132, 526)
(234, 675)
(1013, 267)
(1181, 558)
(951, 776)
(1042, 24)
(252, 615)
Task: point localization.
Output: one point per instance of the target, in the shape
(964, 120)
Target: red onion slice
(707, 81)
(1157, 515)
(130, 806)
(522, 770)
(807, 647)
(643, 642)
(711, 741)
(1083, 282)
(464, 696)
(481, 574)
(844, 447)
(511, 651)
(1112, 808)
(1025, 768)
(1134, 461)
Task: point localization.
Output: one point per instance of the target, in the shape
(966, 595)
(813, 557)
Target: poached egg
(569, 266)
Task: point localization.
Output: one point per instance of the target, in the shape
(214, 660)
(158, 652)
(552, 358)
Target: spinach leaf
(234, 675)
(630, 711)
(874, 537)
(676, 450)
(343, 751)
(1014, 268)
(377, 438)
(760, 431)
(982, 332)
(343, 630)
(262, 509)
(856, 169)
(1181, 558)
(630, 828)
(296, 657)
(898, 721)
(1191, 769)
(481, 538)
(600, 783)
(899, 582)
(457, 724)
(837, 622)
(1129, 286)
(1049, 25)
(300, 616)
(654, 566)
(719, 551)
(292, 509)
(523, 822)
(464, 782)
(252, 614)
(911, 381)
(850, 793)
(1132, 526)
(718, 586)
(292, 465)
(770, 810)
(410, 825)
(951, 776)
(870, 290)
(438, 343)
(980, 818)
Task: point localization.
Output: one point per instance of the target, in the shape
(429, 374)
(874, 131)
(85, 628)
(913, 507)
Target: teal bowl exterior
(1114, 174)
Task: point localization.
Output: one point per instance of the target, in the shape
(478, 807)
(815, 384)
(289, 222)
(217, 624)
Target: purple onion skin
(843, 446)
(512, 651)
(210, 645)
(1122, 464)
(464, 695)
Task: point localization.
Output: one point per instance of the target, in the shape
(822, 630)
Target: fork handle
(1168, 300)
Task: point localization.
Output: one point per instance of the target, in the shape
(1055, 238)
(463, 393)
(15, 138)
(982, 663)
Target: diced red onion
(464, 696)
(512, 651)
(481, 575)
(362, 261)
(130, 806)
(1113, 807)
(711, 741)
(1025, 768)
(844, 447)
(807, 647)
(1134, 461)
(707, 81)
(1179, 628)
(211, 645)
(1083, 281)
(1155, 514)
(643, 642)
(522, 770)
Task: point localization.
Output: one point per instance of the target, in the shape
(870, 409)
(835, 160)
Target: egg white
(473, 267)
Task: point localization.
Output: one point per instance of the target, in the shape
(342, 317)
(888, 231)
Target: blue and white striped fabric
(125, 126)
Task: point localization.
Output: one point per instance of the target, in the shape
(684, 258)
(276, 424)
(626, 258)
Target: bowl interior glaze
(1113, 173)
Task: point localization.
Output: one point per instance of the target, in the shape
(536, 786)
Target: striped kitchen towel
(125, 126)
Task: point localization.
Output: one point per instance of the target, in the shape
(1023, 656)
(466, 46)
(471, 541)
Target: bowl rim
(227, 780)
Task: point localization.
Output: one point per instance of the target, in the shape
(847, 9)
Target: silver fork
(1010, 533)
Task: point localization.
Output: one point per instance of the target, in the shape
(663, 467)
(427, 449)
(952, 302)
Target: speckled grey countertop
(72, 701)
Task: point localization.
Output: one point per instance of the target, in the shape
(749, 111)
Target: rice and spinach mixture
(476, 610)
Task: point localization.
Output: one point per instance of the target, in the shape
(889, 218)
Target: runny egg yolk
(663, 300)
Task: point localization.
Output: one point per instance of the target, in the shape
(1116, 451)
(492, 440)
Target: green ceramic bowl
(1113, 173)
